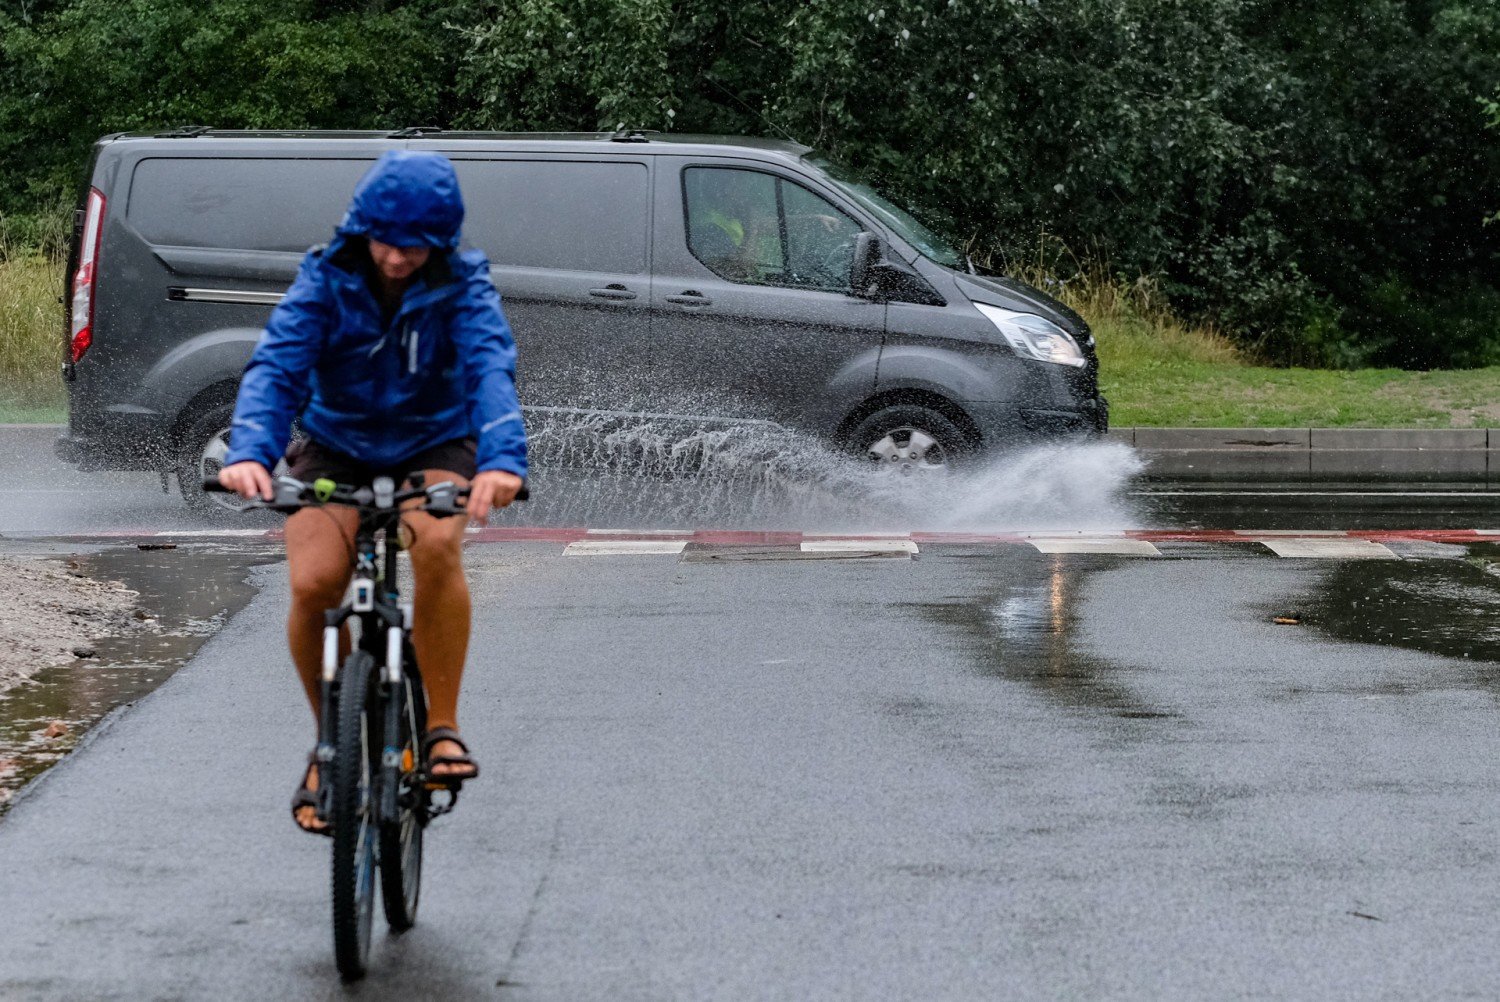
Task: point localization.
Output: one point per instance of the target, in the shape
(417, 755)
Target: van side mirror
(873, 276)
(868, 250)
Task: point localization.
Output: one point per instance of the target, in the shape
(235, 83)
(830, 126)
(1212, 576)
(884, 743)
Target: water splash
(661, 472)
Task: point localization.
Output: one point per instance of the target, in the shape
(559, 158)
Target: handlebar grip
(524, 494)
(212, 485)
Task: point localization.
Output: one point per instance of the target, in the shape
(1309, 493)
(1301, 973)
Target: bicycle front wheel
(354, 820)
(401, 838)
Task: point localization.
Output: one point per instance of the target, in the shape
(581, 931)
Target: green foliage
(1276, 162)
(98, 66)
(1312, 175)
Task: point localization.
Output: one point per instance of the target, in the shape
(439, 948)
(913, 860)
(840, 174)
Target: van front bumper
(1007, 424)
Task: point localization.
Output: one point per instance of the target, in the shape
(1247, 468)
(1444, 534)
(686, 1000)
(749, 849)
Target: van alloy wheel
(910, 450)
(211, 461)
(910, 439)
(202, 447)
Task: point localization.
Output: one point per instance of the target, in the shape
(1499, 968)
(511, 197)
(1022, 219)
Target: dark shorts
(310, 460)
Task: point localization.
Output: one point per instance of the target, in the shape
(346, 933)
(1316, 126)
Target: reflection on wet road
(1017, 618)
(1448, 607)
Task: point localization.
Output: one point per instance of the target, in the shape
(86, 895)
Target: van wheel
(200, 453)
(910, 439)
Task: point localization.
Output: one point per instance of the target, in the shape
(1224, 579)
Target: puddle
(1449, 608)
(1020, 627)
(190, 591)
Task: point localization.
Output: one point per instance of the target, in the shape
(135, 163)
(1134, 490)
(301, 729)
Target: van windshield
(929, 243)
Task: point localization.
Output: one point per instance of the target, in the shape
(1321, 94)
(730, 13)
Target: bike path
(964, 776)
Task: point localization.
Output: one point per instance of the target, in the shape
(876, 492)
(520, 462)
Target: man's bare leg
(318, 541)
(441, 613)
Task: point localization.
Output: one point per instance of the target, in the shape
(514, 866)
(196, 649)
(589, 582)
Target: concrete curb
(1449, 455)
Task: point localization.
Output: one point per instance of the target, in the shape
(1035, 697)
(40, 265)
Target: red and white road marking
(1305, 544)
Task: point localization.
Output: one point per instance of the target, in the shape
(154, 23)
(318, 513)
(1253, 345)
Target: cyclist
(393, 350)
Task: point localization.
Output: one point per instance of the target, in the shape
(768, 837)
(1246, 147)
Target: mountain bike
(372, 790)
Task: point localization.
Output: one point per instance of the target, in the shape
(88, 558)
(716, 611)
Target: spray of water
(605, 471)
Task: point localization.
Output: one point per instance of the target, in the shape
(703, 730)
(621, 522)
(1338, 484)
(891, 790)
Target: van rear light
(84, 279)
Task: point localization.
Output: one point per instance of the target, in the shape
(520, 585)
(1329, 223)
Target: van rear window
(566, 214)
(268, 204)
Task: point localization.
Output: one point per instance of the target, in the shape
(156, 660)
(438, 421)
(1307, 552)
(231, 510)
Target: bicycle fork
(333, 621)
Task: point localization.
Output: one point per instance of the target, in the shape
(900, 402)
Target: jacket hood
(408, 199)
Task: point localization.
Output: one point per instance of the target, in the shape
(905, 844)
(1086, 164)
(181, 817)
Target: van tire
(200, 438)
(888, 437)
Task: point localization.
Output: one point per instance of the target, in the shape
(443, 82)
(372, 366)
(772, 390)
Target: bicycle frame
(374, 601)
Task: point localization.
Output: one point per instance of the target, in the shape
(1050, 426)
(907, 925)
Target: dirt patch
(53, 613)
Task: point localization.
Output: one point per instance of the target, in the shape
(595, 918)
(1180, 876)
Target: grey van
(695, 277)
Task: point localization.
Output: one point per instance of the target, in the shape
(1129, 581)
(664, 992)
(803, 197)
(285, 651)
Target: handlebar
(291, 494)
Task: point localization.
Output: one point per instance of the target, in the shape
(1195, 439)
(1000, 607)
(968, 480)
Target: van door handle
(614, 291)
(691, 298)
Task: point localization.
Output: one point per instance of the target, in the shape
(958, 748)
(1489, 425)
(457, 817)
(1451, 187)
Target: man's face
(397, 263)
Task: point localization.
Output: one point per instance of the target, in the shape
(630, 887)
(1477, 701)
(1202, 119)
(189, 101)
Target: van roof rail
(416, 131)
(633, 135)
(185, 132)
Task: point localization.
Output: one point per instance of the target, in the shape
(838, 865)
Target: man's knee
(436, 547)
(319, 586)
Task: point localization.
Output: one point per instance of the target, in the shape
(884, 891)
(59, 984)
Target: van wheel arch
(208, 399)
(973, 440)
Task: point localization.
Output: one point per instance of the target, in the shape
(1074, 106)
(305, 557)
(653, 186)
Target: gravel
(52, 612)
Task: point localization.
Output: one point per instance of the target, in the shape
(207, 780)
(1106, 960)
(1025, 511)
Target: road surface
(986, 772)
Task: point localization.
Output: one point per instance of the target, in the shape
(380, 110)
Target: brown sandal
(451, 780)
(306, 796)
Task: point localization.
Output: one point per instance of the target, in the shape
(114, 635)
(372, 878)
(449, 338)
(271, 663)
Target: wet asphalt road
(977, 774)
(983, 773)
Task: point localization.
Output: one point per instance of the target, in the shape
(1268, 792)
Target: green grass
(1161, 375)
(1159, 371)
(31, 340)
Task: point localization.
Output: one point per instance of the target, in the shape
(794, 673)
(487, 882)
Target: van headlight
(1031, 336)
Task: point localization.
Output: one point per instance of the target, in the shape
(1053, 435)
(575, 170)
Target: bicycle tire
(355, 828)
(401, 842)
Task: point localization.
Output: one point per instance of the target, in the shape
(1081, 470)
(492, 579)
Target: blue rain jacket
(442, 368)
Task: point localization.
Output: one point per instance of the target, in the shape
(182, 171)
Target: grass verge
(1160, 372)
(1147, 389)
(31, 340)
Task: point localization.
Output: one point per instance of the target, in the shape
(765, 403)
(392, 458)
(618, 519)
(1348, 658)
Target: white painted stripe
(1290, 532)
(1095, 544)
(1487, 532)
(857, 535)
(858, 546)
(1329, 549)
(623, 547)
(640, 532)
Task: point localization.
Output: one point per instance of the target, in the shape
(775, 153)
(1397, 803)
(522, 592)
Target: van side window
(568, 215)
(249, 203)
(749, 226)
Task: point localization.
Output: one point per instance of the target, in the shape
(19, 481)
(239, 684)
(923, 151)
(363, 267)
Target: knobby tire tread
(351, 942)
(401, 911)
